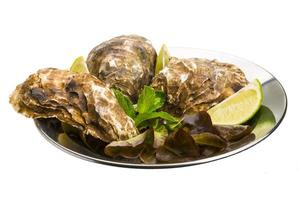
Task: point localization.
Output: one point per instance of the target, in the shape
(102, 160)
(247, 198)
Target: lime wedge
(239, 107)
(264, 120)
(79, 65)
(162, 59)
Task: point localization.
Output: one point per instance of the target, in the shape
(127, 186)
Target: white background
(36, 34)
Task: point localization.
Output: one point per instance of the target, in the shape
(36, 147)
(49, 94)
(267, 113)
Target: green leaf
(159, 100)
(150, 100)
(146, 116)
(173, 125)
(149, 123)
(125, 103)
(145, 99)
(264, 120)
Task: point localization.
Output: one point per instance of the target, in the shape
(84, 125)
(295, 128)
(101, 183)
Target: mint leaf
(148, 123)
(125, 103)
(141, 117)
(150, 100)
(159, 100)
(145, 100)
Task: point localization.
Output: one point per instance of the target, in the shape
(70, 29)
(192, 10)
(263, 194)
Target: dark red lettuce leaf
(209, 139)
(242, 142)
(198, 122)
(179, 147)
(148, 153)
(233, 132)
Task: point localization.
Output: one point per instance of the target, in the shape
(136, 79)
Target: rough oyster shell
(126, 62)
(80, 100)
(196, 84)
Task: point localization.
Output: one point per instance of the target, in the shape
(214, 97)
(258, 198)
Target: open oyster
(80, 100)
(196, 84)
(126, 62)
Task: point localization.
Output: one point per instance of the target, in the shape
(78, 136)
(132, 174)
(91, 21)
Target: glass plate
(274, 98)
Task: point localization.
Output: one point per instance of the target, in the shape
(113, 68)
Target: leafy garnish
(153, 115)
(171, 126)
(263, 121)
(233, 133)
(209, 139)
(182, 144)
(145, 114)
(148, 153)
(160, 135)
(130, 148)
(167, 139)
(125, 103)
(159, 100)
(150, 100)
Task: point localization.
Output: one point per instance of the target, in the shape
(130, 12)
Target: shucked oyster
(125, 62)
(197, 84)
(80, 100)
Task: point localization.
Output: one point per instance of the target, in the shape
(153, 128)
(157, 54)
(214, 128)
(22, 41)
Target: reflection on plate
(266, 120)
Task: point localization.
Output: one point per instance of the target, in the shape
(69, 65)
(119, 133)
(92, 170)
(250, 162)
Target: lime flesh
(79, 65)
(162, 59)
(239, 107)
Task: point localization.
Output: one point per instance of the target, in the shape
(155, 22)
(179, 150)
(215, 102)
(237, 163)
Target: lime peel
(162, 59)
(79, 65)
(239, 107)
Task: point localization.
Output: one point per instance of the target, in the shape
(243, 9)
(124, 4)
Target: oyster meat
(80, 100)
(195, 84)
(126, 62)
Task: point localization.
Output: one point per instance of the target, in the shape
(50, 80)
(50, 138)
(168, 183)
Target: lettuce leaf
(160, 136)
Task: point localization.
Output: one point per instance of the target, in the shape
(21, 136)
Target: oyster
(126, 62)
(80, 100)
(196, 84)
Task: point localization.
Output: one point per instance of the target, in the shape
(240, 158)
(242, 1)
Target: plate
(274, 98)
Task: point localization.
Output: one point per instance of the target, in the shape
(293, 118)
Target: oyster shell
(80, 100)
(126, 62)
(196, 84)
